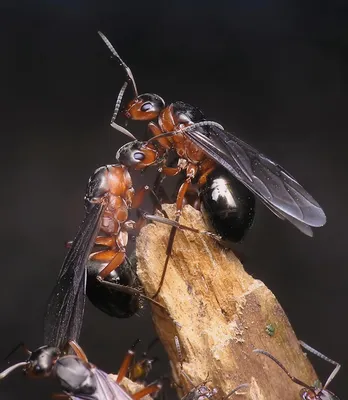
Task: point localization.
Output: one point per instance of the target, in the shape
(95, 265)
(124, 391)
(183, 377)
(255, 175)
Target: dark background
(272, 71)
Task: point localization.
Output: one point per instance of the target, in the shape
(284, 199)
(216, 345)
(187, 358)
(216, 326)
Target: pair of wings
(64, 315)
(276, 188)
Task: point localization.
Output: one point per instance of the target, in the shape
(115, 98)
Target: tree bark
(219, 313)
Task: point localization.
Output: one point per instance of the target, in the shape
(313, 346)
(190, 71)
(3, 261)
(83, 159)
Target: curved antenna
(116, 110)
(242, 386)
(19, 345)
(118, 102)
(320, 355)
(124, 65)
(7, 371)
(283, 368)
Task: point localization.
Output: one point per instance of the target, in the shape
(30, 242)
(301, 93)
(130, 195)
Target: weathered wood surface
(219, 313)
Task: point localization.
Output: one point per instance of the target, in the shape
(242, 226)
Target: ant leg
(191, 171)
(139, 198)
(60, 396)
(295, 380)
(117, 259)
(318, 354)
(155, 130)
(126, 362)
(179, 226)
(78, 350)
(131, 291)
(152, 388)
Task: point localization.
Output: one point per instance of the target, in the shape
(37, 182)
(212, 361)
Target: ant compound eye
(146, 106)
(139, 156)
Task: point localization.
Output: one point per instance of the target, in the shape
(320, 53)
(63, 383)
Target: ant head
(145, 107)
(39, 363)
(137, 155)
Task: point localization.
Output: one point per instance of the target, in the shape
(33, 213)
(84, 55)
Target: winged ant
(225, 172)
(78, 378)
(109, 197)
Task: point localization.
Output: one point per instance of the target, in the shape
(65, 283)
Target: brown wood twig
(220, 314)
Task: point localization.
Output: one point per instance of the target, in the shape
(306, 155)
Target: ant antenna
(320, 355)
(124, 65)
(7, 371)
(150, 346)
(116, 110)
(19, 345)
(118, 102)
(242, 386)
(283, 368)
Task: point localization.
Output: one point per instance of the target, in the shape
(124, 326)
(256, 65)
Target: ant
(309, 392)
(219, 167)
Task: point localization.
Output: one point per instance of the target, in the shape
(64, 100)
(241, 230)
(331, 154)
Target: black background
(272, 71)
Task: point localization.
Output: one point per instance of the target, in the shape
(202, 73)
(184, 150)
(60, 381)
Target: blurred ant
(309, 392)
(79, 379)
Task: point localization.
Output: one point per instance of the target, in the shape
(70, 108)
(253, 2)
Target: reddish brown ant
(109, 197)
(219, 164)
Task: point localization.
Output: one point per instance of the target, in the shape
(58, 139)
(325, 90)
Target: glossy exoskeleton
(203, 145)
(309, 392)
(78, 378)
(109, 196)
(228, 206)
(109, 299)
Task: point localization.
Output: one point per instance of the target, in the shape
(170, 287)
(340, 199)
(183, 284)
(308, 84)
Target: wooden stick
(220, 314)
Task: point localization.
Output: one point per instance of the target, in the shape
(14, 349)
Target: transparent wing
(64, 315)
(277, 189)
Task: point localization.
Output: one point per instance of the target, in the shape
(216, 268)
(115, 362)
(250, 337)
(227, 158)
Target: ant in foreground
(309, 392)
(109, 197)
(79, 379)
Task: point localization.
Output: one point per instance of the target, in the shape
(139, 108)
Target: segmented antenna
(19, 345)
(283, 368)
(7, 371)
(118, 102)
(116, 110)
(320, 355)
(124, 65)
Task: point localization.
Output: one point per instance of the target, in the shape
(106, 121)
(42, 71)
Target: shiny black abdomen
(228, 205)
(112, 301)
